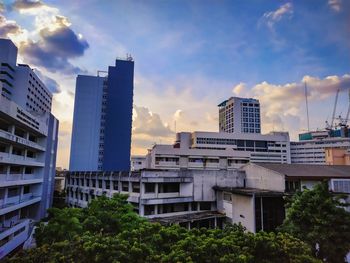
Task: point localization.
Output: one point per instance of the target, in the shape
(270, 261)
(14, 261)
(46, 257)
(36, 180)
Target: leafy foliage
(318, 217)
(109, 231)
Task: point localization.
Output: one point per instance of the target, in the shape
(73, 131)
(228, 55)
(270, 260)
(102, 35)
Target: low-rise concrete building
(260, 206)
(252, 196)
(160, 195)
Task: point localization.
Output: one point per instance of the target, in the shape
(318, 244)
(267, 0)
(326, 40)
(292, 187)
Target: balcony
(15, 203)
(195, 165)
(19, 140)
(167, 200)
(18, 238)
(19, 179)
(19, 160)
(167, 164)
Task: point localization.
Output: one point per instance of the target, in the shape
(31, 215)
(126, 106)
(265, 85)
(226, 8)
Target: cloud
(50, 83)
(57, 44)
(27, 4)
(8, 28)
(335, 5)
(283, 105)
(147, 123)
(272, 17)
(239, 89)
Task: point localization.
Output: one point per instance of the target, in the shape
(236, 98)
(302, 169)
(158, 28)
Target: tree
(109, 231)
(318, 217)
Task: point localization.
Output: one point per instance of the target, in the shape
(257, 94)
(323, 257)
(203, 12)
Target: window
(93, 183)
(150, 187)
(205, 206)
(108, 184)
(115, 185)
(26, 189)
(149, 210)
(28, 170)
(135, 187)
(169, 187)
(125, 186)
(13, 191)
(99, 183)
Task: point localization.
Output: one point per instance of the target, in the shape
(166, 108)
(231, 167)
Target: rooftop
(312, 171)
(186, 217)
(250, 191)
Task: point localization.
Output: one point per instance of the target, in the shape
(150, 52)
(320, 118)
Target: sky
(190, 56)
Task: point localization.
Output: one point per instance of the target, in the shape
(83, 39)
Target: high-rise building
(239, 115)
(101, 137)
(28, 146)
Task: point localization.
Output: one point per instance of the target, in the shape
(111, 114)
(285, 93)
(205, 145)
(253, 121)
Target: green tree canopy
(109, 231)
(318, 217)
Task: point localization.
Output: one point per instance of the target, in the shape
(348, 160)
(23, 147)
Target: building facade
(101, 137)
(214, 151)
(185, 196)
(311, 147)
(252, 196)
(240, 115)
(28, 146)
(337, 156)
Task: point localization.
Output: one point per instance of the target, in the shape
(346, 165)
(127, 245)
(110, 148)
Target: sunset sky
(189, 56)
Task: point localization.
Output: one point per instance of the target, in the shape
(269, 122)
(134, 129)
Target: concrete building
(178, 196)
(337, 156)
(239, 115)
(101, 136)
(138, 162)
(252, 196)
(214, 151)
(260, 206)
(311, 147)
(28, 145)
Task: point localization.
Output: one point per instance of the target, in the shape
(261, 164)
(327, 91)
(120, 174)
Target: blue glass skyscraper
(101, 137)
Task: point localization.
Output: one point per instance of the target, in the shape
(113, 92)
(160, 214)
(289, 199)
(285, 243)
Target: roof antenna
(307, 108)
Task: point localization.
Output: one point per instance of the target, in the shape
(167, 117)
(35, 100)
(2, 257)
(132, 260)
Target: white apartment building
(178, 196)
(239, 115)
(311, 147)
(28, 144)
(219, 150)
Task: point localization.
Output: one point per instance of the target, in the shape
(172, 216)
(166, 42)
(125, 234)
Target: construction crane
(344, 121)
(334, 109)
(348, 113)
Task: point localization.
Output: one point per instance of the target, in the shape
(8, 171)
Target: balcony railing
(18, 159)
(11, 137)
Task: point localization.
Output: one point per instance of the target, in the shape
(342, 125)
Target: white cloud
(335, 5)
(283, 106)
(272, 17)
(239, 89)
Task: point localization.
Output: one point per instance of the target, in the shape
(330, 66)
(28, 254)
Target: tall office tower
(239, 115)
(101, 137)
(28, 146)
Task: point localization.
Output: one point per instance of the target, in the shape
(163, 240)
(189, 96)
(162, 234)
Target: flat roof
(312, 171)
(190, 217)
(250, 191)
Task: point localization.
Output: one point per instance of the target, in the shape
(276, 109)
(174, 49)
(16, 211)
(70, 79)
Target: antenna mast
(307, 107)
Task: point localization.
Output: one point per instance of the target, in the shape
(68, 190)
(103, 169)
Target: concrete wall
(243, 211)
(261, 178)
(204, 181)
